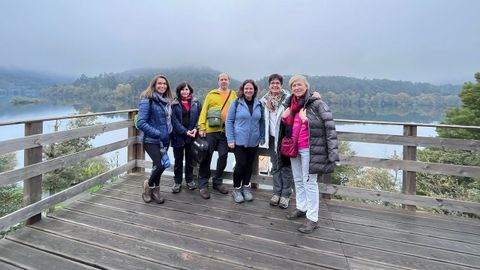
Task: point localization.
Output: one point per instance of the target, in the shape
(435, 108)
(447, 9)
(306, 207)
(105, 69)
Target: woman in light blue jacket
(245, 131)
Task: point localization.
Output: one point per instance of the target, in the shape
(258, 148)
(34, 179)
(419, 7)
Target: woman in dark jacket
(154, 120)
(185, 118)
(309, 120)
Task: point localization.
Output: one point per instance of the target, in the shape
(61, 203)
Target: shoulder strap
(229, 93)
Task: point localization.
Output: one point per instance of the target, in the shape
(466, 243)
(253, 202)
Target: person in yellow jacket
(214, 132)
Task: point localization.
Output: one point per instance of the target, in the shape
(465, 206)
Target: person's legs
(276, 174)
(188, 163)
(311, 187)
(251, 154)
(300, 192)
(204, 171)
(240, 165)
(178, 166)
(153, 150)
(222, 150)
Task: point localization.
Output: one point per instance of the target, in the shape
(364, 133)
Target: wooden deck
(114, 229)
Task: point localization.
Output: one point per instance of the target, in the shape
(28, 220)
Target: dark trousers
(282, 175)
(153, 150)
(178, 154)
(216, 141)
(244, 157)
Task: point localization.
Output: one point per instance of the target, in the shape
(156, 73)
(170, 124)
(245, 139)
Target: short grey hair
(298, 78)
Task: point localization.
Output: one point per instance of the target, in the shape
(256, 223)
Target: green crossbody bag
(214, 116)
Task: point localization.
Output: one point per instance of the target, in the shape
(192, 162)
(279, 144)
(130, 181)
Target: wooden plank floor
(115, 229)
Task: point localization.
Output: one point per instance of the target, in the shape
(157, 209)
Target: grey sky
(419, 40)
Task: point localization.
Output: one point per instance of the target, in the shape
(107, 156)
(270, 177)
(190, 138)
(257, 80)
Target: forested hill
(28, 83)
(125, 87)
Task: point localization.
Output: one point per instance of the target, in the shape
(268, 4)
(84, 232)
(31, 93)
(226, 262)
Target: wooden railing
(34, 166)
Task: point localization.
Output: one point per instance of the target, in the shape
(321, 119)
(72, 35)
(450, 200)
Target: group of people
(242, 122)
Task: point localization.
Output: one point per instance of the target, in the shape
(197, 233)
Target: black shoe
(221, 188)
(308, 226)
(176, 188)
(205, 193)
(191, 185)
(295, 214)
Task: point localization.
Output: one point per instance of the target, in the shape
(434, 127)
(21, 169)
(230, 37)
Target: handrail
(35, 139)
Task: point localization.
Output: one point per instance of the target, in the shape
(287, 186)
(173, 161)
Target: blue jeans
(306, 187)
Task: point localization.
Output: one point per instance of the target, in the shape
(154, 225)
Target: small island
(21, 100)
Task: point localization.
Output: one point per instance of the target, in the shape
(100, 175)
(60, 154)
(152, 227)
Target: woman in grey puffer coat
(309, 120)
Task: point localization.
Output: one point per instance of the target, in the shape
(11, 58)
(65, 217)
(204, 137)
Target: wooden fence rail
(35, 167)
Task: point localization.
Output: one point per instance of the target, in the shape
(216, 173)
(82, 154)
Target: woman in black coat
(186, 111)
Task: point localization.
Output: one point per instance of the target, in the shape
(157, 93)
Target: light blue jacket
(243, 128)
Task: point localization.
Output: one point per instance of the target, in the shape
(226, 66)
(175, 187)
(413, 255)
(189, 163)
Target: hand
(189, 133)
(286, 113)
(202, 134)
(194, 132)
(316, 94)
(231, 145)
(303, 114)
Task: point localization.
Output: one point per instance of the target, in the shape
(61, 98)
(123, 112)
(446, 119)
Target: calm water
(8, 112)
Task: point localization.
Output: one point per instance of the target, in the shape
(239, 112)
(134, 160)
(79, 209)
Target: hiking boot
(176, 188)
(204, 193)
(295, 214)
(191, 185)
(221, 188)
(237, 195)
(284, 202)
(274, 200)
(156, 195)
(247, 193)
(147, 192)
(308, 226)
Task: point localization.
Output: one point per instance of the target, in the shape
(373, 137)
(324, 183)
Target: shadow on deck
(114, 229)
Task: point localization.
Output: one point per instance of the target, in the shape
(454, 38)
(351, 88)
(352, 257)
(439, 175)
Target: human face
(275, 86)
(299, 88)
(185, 92)
(223, 81)
(248, 91)
(161, 86)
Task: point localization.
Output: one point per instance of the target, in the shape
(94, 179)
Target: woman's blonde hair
(148, 93)
(298, 78)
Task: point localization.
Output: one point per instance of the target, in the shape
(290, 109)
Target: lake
(9, 112)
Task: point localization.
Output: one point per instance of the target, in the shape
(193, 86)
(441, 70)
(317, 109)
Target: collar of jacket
(217, 91)
(284, 94)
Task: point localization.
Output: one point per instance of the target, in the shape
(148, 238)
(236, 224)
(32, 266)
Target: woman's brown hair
(148, 93)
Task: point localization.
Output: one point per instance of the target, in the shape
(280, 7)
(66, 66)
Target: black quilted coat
(322, 135)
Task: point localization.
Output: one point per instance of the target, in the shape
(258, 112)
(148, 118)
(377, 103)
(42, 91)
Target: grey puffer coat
(322, 135)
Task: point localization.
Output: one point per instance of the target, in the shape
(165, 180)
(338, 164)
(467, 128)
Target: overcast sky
(420, 40)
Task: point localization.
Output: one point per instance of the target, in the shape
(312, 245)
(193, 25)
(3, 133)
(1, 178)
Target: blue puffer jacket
(179, 137)
(152, 121)
(241, 127)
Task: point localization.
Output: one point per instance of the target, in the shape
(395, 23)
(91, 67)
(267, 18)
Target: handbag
(214, 116)
(288, 146)
(200, 149)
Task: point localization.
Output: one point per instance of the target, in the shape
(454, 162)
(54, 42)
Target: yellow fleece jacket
(214, 101)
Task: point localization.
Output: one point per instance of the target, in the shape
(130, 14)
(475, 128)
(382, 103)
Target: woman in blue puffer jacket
(154, 120)
(245, 131)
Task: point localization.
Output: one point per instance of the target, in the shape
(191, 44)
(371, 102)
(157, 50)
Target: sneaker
(274, 200)
(308, 226)
(176, 188)
(247, 193)
(237, 195)
(221, 188)
(284, 202)
(204, 193)
(191, 185)
(295, 214)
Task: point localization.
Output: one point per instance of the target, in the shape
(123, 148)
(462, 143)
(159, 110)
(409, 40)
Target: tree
(468, 114)
(11, 196)
(63, 178)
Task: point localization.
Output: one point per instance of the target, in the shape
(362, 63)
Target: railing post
(32, 187)
(327, 180)
(409, 185)
(255, 169)
(135, 151)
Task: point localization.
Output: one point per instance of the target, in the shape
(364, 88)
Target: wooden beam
(37, 207)
(32, 141)
(14, 176)
(409, 185)
(32, 185)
